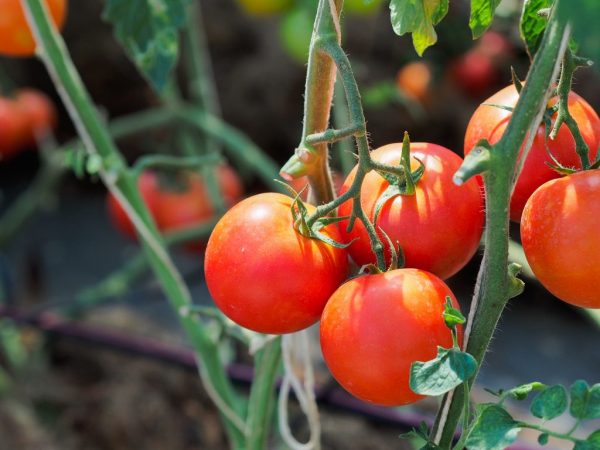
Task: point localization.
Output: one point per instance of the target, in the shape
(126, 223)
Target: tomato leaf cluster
(148, 31)
(495, 428)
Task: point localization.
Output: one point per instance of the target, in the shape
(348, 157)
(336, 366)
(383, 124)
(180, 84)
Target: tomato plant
(375, 326)
(489, 122)
(177, 207)
(438, 228)
(263, 274)
(15, 37)
(559, 231)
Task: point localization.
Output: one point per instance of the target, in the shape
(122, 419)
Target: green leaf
(521, 392)
(591, 443)
(418, 17)
(494, 429)
(451, 315)
(148, 31)
(543, 438)
(482, 14)
(584, 18)
(550, 403)
(516, 286)
(532, 25)
(585, 401)
(442, 374)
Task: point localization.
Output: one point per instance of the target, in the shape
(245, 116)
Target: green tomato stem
(341, 116)
(261, 404)
(318, 95)
(564, 115)
(492, 289)
(121, 182)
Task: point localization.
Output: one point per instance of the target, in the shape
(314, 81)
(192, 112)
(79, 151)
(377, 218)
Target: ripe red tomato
(414, 80)
(39, 110)
(474, 73)
(15, 36)
(263, 274)
(265, 7)
(439, 227)
(375, 326)
(489, 122)
(175, 210)
(13, 128)
(559, 231)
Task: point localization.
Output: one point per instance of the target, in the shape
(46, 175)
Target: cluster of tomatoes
(266, 274)
(23, 118)
(559, 215)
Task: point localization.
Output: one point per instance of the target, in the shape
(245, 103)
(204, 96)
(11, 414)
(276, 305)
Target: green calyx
(399, 184)
(300, 217)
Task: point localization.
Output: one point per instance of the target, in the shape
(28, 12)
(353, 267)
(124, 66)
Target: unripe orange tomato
(16, 38)
(375, 326)
(559, 231)
(414, 79)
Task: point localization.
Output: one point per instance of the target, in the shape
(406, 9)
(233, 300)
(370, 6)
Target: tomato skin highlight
(439, 228)
(15, 36)
(264, 275)
(489, 122)
(375, 326)
(559, 232)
